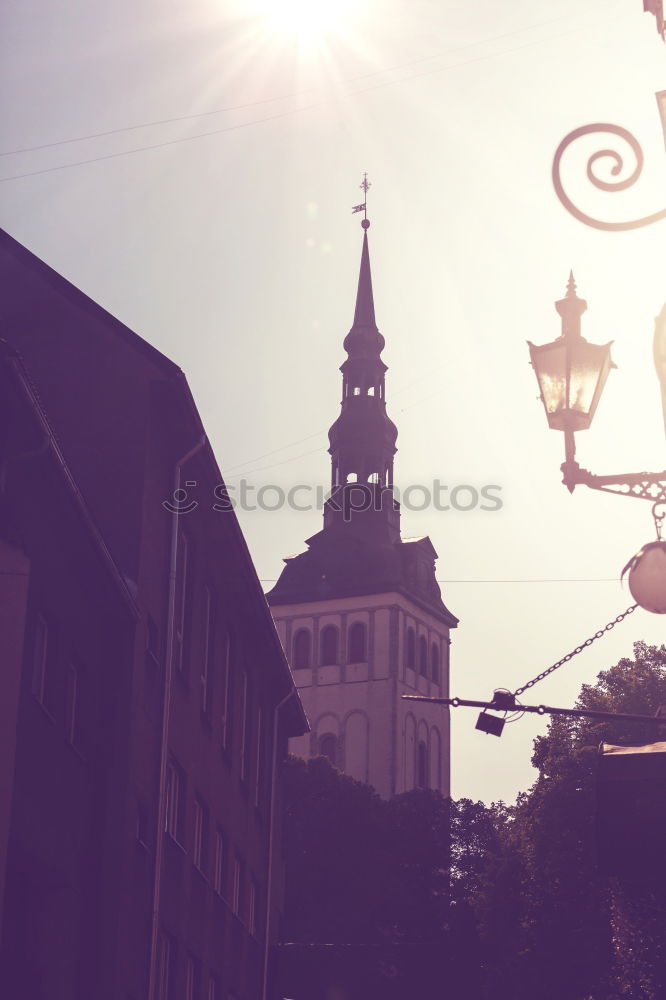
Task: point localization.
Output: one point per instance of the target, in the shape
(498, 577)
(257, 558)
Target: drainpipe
(271, 838)
(166, 712)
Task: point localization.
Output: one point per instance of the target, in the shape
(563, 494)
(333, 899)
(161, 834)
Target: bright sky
(236, 254)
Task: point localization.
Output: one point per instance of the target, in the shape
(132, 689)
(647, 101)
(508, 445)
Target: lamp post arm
(642, 485)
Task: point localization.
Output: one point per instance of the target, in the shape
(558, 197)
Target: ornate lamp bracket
(617, 168)
(642, 485)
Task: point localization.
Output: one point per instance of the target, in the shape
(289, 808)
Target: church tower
(360, 613)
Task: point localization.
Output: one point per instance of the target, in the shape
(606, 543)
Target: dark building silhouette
(67, 621)
(360, 612)
(145, 695)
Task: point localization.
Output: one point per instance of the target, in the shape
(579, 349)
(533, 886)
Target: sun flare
(306, 19)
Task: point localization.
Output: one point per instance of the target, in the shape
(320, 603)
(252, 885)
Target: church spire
(364, 314)
(362, 439)
(364, 339)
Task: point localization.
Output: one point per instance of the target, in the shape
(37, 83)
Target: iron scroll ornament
(617, 168)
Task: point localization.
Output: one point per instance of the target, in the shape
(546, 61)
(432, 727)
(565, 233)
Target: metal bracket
(642, 485)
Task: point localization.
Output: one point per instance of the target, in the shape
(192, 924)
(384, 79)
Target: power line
(292, 444)
(275, 451)
(275, 117)
(281, 97)
(273, 465)
(271, 100)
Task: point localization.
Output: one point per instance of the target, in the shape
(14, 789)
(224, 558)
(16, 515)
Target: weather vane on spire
(364, 185)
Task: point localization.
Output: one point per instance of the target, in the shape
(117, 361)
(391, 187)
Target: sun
(309, 20)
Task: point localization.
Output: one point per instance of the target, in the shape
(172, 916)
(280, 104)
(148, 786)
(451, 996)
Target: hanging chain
(574, 652)
(659, 517)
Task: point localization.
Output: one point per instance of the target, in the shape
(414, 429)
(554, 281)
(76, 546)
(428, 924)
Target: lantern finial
(571, 308)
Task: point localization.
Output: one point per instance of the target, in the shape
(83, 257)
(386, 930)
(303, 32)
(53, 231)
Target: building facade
(360, 613)
(67, 622)
(141, 861)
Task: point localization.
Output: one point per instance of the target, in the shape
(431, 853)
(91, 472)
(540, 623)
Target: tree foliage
(360, 869)
(548, 919)
(512, 893)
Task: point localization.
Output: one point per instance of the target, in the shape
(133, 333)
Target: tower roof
(364, 314)
(364, 339)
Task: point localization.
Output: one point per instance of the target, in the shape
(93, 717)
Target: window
(357, 391)
(39, 655)
(220, 871)
(357, 652)
(208, 650)
(422, 765)
(72, 691)
(200, 844)
(259, 763)
(228, 691)
(302, 649)
(164, 967)
(434, 662)
(329, 645)
(175, 801)
(238, 887)
(328, 747)
(252, 908)
(181, 600)
(410, 652)
(246, 733)
(423, 656)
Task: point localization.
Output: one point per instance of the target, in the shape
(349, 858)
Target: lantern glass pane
(571, 375)
(606, 365)
(585, 371)
(549, 363)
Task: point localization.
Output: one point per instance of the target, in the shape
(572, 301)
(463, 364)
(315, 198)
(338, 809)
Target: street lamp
(571, 374)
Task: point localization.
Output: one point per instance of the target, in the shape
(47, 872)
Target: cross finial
(363, 207)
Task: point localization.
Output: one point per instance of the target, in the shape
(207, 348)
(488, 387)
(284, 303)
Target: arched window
(302, 649)
(434, 662)
(422, 765)
(328, 747)
(423, 656)
(410, 652)
(357, 652)
(329, 645)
